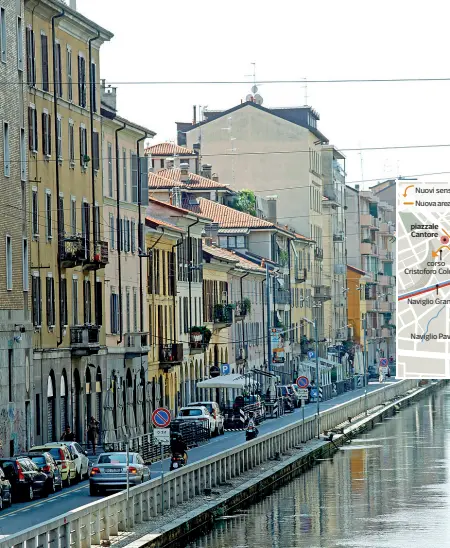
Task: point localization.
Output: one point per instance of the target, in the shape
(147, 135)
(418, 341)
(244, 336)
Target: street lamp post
(314, 324)
(365, 361)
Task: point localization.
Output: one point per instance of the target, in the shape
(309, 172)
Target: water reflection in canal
(388, 489)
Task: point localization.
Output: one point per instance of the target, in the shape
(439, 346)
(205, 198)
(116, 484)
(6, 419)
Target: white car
(198, 413)
(79, 456)
(214, 409)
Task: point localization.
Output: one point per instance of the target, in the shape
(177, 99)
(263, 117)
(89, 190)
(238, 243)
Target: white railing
(100, 520)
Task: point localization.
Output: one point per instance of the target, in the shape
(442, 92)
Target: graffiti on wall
(12, 428)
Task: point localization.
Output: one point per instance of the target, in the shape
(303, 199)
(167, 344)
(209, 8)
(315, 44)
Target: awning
(227, 381)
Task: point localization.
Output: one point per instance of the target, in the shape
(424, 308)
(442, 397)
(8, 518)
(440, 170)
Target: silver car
(109, 473)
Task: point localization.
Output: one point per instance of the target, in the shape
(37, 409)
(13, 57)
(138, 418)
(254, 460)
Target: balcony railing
(322, 292)
(384, 306)
(318, 253)
(339, 237)
(222, 315)
(301, 275)
(73, 251)
(281, 296)
(368, 248)
(385, 332)
(100, 258)
(170, 355)
(240, 311)
(386, 280)
(136, 344)
(369, 220)
(85, 339)
(197, 343)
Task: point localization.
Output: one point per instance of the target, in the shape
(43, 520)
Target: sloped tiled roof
(195, 181)
(176, 208)
(221, 253)
(159, 222)
(169, 149)
(227, 216)
(358, 270)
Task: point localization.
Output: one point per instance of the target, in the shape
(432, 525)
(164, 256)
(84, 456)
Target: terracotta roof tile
(227, 216)
(160, 222)
(176, 208)
(169, 149)
(221, 253)
(195, 181)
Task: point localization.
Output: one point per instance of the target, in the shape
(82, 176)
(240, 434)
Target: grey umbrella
(140, 411)
(121, 431)
(131, 419)
(109, 433)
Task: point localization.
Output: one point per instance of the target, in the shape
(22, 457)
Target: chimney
(176, 196)
(184, 168)
(357, 187)
(272, 210)
(215, 177)
(108, 95)
(194, 117)
(207, 171)
(212, 232)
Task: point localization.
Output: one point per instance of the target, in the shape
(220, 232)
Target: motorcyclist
(178, 446)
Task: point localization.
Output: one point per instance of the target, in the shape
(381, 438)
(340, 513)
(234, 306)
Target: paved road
(27, 514)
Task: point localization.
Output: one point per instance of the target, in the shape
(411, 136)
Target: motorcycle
(177, 461)
(251, 433)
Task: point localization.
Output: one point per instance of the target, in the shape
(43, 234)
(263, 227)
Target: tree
(245, 202)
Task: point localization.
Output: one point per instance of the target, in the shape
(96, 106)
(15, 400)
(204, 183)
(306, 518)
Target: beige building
(68, 249)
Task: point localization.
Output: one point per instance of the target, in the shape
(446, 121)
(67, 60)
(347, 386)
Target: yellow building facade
(68, 251)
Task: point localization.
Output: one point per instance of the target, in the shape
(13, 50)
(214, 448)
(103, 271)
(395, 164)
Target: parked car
(79, 456)
(110, 472)
(47, 464)
(5, 491)
(198, 413)
(214, 409)
(25, 478)
(63, 458)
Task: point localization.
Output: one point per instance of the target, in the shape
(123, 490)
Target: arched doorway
(98, 400)
(88, 392)
(77, 426)
(64, 401)
(51, 401)
(216, 355)
(144, 401)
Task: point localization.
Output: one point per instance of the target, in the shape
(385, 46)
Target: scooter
(251, 433)
(177, 461)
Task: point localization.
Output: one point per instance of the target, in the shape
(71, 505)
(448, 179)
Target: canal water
(389, 488)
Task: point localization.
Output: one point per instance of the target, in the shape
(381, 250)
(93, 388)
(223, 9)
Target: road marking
(40, 503)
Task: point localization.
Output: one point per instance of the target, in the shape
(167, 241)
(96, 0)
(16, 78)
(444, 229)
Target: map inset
(423, 280)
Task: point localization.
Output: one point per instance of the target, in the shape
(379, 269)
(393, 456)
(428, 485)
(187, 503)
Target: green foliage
(204, 331)
(283, 257)
(245, 202)
(247, 304)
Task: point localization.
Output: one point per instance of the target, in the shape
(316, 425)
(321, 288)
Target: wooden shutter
(30, 127)
(36, 134)
(49, 129)
(96, 158)
(44, 140)
(44, 53)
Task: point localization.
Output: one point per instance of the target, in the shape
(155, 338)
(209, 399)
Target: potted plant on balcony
(367, 241)
(200, 336)
(247, 305)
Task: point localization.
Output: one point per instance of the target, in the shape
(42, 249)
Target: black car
(5, 491)
(47, 464)
(25, 478)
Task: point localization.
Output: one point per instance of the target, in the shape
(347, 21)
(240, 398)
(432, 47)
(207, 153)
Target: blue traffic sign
(225, 367)
(383, 362)
(311, 354)
(313, 394)
(161, 417)
(302, 382)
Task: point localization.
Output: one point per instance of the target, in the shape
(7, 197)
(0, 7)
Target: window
(81, 81)
(99, 303)
(134, 178)
(127, 235)
(71, 144)
(96, 151)
(83, 147)
(120, 234)
(34, 213)
(240, 241)
(61, 230)
(73, 215)
(127, 310)
(9, 271)
(50, 294)
(110, 171)
(143, 167)
(112, 230)
(93, 87)
(97, 222)
(48, 215)
(36, 296)
(133, 236)
(114, 306)
(23, 156)
(58, 70)
(87, 301)
(135, 311)
(19, 44)
(85, 225)
(6, 152)
(25, 282)
(64, 315)
(31, 57)
(69, 74)
(32, 129)
(10, 375)
(124, 174)
(3, 34)
(161, 163)
(75, 301)
(46, 134)
(44, 62)
(59, 149)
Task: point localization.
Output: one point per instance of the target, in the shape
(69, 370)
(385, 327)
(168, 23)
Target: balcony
(370, 221)
(223, 316)
(339, 237)
(389, 256)
(368, 248)
(136, 344)
(281, 296)
(85, 340)
(392, 307)
(170, 355)
(73, 251)
(197, 341)
(241, 310)
(386, 280)
(372, 305)
(369, 195)
(99, 259)
(318, 253)
(322, 292)
(384, 306)
(241, 356)
(301, 275)
(385, 332)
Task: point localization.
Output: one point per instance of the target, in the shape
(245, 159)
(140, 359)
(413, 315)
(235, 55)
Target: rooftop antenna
(306, 91)
(254, 96)
(361, 163)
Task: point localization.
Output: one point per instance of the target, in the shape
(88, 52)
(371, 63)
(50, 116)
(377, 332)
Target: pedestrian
(93, 432)
(68, 435)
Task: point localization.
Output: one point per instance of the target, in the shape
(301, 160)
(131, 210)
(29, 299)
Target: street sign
(161, 417)
(162, 435)
(303, 393)
(383, 362)
(313, 394)
(311, 354)
(225, 368)
(302, 382)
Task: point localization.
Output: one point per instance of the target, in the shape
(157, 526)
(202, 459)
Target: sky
(291, 40)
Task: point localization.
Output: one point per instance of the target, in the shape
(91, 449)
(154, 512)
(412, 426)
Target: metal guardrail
(100, 520)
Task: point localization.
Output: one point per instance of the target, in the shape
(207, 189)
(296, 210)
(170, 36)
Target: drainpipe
(94, 216)
(119, 234)
(242, 299)
(190, 271)
(58, 220)
(140, 233)
(175, 292)
(263, 321)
